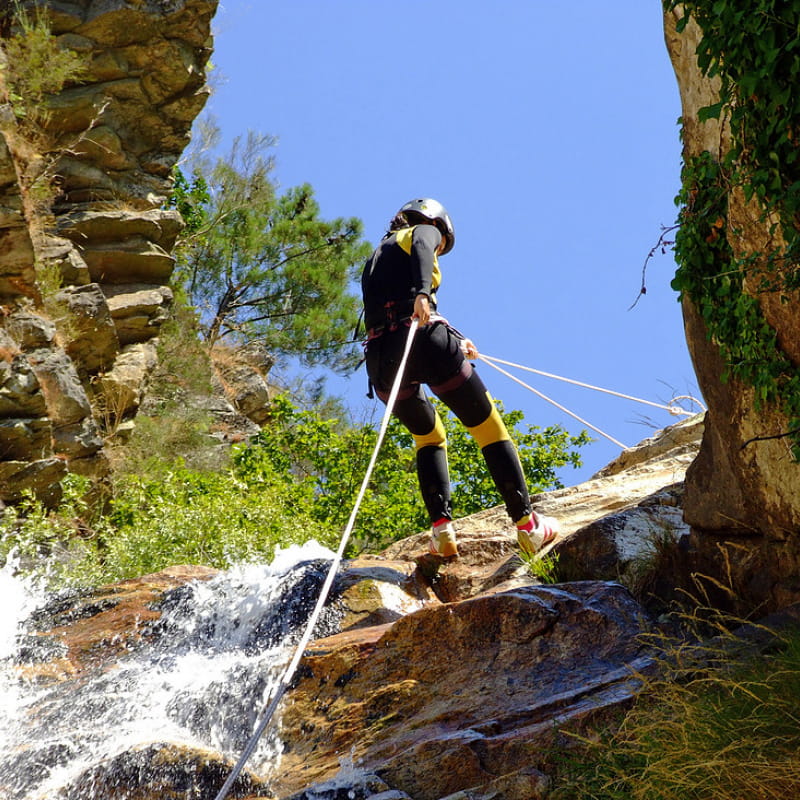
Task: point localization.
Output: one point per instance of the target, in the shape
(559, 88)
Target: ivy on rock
(754, 51)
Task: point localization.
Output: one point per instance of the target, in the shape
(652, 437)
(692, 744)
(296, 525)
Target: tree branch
(329, 242)
(792, 432)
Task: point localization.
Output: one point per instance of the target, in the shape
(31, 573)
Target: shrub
(191, 517)
(37, 65)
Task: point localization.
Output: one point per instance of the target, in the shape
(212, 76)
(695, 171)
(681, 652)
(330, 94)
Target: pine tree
(264, 267)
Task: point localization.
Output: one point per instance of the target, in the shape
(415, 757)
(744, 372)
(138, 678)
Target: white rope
(673, 408)
(550, 400)
(301, 645)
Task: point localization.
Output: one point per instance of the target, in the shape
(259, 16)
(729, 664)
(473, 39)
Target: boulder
(247, 389)
(243, 377)
(41, 478)
(64, 394)
(77, 439)
(105, 225)
(161, 770)
(8, 179)
(89, 630)
(17, 275)
(25, 438)
(17, 258)
(20, 392)
(471, 685)
(119, 392)
(135, 259)
(63, 254)
(30, 330)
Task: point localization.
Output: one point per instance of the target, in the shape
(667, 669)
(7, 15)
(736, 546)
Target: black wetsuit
(404, 265)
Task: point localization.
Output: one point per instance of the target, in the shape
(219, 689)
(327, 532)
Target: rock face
(470, 687)
(426, 680)
(742, 501)
(113, 140)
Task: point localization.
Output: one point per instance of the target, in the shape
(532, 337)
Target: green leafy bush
(58, 546)
(181, 516)
(320, 465)
(191, 517)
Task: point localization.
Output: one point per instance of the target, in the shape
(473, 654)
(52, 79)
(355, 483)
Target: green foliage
(719, 723)
(191, 199)
(191, 517)
(57, 546)
(174, 516)
(542, 567)
(754, 53)
(711, 276)
(320, 465)
(264, 266)
(37, 65)
(754, 50)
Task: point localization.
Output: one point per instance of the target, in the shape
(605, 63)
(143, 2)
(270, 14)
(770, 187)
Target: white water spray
(219, 648)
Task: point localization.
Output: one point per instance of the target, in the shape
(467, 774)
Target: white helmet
(437, 213)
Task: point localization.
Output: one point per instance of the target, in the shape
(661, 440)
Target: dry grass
(720, 722)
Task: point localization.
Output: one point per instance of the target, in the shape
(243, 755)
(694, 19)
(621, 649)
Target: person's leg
(421, 420)
(470, 401)
(467, 397)
(417, 414)
(423, 423)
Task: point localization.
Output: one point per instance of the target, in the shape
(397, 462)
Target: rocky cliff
(103, 246)
(743, 491)
(465, 666)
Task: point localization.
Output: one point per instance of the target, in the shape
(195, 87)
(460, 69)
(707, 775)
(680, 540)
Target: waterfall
(200, 681)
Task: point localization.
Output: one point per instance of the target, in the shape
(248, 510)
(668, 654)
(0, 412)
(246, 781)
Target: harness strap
(374, 333)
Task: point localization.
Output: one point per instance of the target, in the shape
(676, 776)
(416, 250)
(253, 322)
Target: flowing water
(202, 682)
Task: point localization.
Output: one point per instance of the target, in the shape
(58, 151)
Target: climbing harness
(673, 408)
(286, 678)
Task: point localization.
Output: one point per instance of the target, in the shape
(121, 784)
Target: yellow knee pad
(491, 430)
(436, 437)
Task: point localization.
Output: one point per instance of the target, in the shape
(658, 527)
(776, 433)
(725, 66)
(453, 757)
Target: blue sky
(550, 133)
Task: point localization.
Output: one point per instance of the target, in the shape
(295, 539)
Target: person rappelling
(399, 284)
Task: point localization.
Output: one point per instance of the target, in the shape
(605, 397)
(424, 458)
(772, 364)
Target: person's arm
(424, 241)
(422, 309)
(468, 349)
